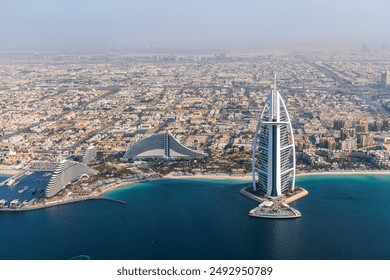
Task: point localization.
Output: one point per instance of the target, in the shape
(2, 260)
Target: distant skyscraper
(385, 125)
(273, 155)
(338, 124)
(385, 79)
(89, 154)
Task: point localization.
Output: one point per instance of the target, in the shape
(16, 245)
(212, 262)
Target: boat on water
(23, 190)
(272, 210)
(3, 203)
(12, 182)
(15, 204)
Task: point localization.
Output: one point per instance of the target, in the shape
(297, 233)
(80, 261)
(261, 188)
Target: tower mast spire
(274, 79)
(273, 154)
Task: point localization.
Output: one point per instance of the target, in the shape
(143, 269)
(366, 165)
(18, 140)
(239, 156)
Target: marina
(26, 190)
(22, 189)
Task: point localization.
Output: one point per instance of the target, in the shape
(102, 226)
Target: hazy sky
(228, 24)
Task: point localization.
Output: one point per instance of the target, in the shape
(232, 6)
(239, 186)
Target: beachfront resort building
(66, 172)
(273, 152)
(42, 179)
(162, 145)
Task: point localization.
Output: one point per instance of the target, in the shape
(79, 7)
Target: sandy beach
(212, 177)
(371, 172)
(249, 178)
(228, 177)
(115, 186)
(9, 171)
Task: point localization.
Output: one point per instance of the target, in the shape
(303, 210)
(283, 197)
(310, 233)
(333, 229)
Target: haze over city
(172, 24)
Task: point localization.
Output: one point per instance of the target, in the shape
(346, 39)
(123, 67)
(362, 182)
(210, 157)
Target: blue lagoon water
(344, 217)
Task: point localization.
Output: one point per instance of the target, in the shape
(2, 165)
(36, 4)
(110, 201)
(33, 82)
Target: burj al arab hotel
(273, 151)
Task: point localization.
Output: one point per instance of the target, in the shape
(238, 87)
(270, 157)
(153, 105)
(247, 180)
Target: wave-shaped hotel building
(42, 180)
(162, 145)
(66, 172)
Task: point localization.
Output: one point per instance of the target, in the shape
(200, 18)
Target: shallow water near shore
(343, 217)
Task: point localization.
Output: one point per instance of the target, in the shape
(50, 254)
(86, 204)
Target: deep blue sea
(344, 217)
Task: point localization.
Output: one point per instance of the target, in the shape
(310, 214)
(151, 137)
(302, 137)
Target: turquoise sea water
(344, 217)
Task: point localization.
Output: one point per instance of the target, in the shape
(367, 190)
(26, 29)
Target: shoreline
(225, 177)
(117, 186)
(213, 177)
(249, 178)
(368, 172)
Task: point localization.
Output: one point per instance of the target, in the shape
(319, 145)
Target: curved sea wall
(296, 196)
(244, 192)
(288, 200)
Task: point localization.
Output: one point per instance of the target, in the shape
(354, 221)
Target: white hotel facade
(273, 151)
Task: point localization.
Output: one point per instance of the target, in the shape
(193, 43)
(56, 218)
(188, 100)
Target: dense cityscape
(194, 138)
(55, 106)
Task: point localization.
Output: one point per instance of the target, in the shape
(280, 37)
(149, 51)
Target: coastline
(224, 177)
(212, 177)
(249, 178)
(116, 186)
(369, 172)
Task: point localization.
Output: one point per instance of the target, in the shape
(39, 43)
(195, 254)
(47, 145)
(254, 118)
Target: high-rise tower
(385, 79)
(273, 151)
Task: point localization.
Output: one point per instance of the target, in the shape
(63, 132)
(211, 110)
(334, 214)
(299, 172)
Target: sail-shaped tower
(273, 151)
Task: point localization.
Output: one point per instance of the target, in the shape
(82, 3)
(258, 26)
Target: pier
(11, 180)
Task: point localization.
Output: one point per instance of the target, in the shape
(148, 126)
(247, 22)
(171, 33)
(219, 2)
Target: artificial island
(273, 162)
